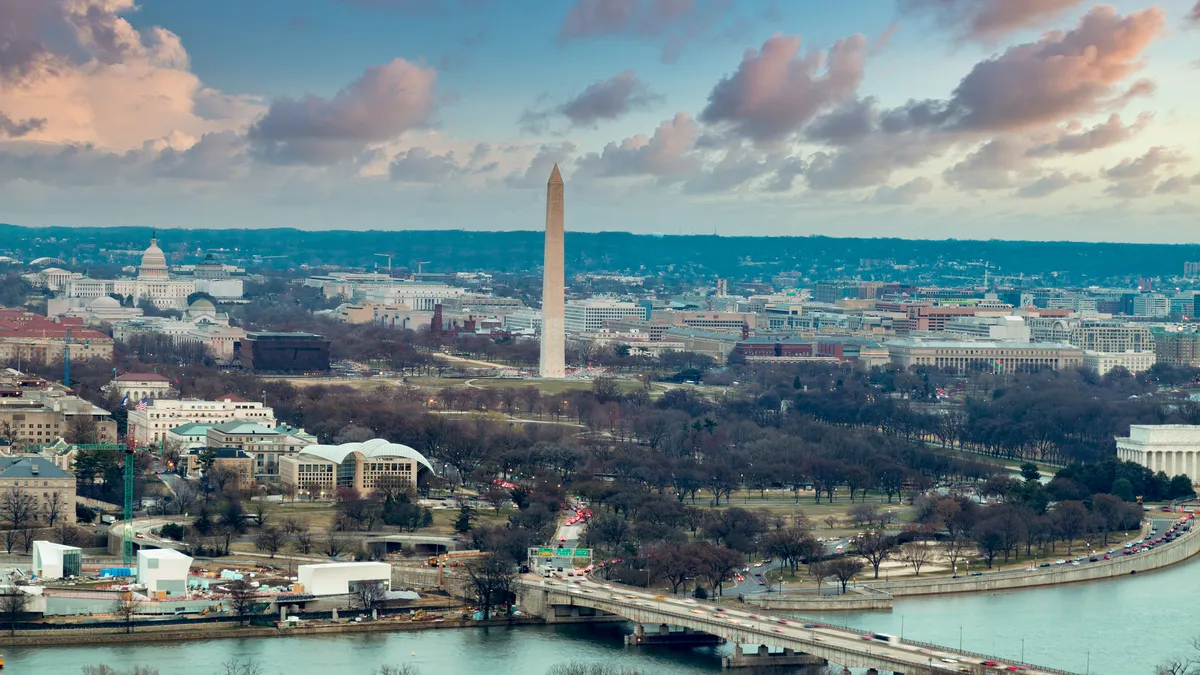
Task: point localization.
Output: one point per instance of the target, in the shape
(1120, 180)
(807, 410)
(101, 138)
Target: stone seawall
(1177, 551)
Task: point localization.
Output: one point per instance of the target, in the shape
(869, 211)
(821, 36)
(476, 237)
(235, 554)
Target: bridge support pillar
(763, 657)
(670, 638)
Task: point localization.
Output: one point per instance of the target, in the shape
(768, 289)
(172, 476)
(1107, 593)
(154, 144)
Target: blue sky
(918, 118)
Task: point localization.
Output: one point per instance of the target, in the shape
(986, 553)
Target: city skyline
(971, 119)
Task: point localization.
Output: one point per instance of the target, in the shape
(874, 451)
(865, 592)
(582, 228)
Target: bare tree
(259, 513)
(13, 605)
(369, 594)
(269, 540)
(68, 534)
(844, 569)
(126, 607)
(333, 546)
(54, 508)
(287, 490)
(831, 521)
(243, 600)
(916, 554)
(875, 547)
(186, 495)
(956, 548)
(304, 542)
(17, 507)
(405, 669)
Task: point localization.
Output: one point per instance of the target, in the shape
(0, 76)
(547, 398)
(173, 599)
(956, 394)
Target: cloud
(88, 77)
(870, 162)
(1194, 15)
(418, 8)
(1177, 185)
(13, 129)
(992, 166)
(1103, 135)
(217, 156)
(667, 153)
(785, 176)
(1063, 73)
(419, 165)
(850, 122)
(908, 193)
(1049, 184)
(591, 18)
(987, 20)
(736, 167)
(538, 172)
(1138, 176)
(775, 91)
(380, 105)
(601, 100)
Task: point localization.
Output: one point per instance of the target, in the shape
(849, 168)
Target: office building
(585, 316)
(265, 446)
(523, 320)
(27, 337)
(200, 324)
(998, 328)
(294, 353)
(161, 416)
(1171, 448)
(552, 359)
(1112, 336)
(994, 357)
(731, 322)
(322, 469)
(1102, 362)
(33, 412)
(1152, 305)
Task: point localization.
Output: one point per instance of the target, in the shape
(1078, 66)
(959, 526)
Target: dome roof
(202, 306)
(376, 448)
(154, 263)
(104, 302)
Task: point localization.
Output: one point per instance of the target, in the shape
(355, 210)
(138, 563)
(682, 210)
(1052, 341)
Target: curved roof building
(154, 263)
(322, 469)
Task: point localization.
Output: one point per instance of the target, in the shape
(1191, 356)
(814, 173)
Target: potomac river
(1119, 627)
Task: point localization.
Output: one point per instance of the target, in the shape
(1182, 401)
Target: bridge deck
(838, 644)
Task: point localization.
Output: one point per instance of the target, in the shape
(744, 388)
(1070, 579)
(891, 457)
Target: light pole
(960, 638)
(1022, 650)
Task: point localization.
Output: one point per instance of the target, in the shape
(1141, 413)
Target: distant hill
(734, 257)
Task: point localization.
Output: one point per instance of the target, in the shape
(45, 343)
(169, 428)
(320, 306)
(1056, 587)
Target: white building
(93, 311)
(56, 561)
(342, 578)
(384, 289)
(152, 424)
(153, 284)
(1134, 362)
(200, 324)
(999, 328)
(586, 316)
(163, 570)
(51, 278)
(1171, 448)
(322, 469)
(138, 386)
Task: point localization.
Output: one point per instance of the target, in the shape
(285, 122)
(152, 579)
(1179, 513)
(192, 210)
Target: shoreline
(83, 636)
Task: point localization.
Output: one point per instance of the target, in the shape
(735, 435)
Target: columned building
(1171, 448)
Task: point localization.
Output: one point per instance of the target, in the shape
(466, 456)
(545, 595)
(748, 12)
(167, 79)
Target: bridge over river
(563, 600)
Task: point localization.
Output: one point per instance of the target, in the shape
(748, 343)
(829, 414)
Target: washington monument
(553, 360)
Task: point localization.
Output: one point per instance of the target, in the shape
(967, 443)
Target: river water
(1119, 627)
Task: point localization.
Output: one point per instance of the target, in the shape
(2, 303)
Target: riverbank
(232, 629)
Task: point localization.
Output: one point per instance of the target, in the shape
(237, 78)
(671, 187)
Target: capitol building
(154, 284)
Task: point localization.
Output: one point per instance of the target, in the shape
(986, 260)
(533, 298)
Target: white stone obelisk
(553, 357)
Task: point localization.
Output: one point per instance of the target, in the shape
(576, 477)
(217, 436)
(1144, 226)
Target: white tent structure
(55, 561)
(342, 578)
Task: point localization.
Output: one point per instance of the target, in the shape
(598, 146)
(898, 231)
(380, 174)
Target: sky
(966, 119)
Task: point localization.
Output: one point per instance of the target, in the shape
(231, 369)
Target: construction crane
(127, 543)
(421, 266)
(389, 256)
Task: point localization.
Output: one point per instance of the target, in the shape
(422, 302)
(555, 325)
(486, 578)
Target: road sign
(560, 553)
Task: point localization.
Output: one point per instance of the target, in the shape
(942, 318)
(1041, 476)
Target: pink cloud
(987, 20)
(590, 18)
(380, 105)
(775, 91)
(1107, 133)
(666, 153)
(1063, 73)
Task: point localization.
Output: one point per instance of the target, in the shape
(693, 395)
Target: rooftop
(191, 429)
(29, 467)
(140, 377)
(243, 427)
(979, 344)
